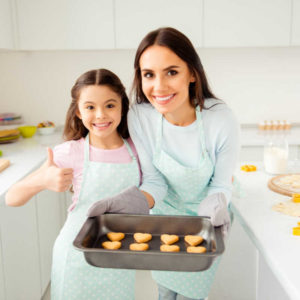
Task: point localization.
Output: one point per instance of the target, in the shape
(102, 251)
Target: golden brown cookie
(142, 237)
(169, 239)
(169, 248)
(115, 236)
(193, 240)
(111, 245)
(199, 249)
(139, 247)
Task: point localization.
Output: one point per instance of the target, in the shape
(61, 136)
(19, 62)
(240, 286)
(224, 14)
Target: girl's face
(165, 80)
(100, 110)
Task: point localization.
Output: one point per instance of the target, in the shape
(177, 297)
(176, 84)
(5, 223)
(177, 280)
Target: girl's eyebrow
(165, 69)
(91, 102)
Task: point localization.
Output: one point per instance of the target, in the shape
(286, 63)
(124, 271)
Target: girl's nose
(100, 113)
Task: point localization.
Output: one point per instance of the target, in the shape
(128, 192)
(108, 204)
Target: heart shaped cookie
(169, 239)
(199, 249)
(111, 245)
(169, 248)
(193, 240)
(142, 237)
(115, 236)
(139, 247)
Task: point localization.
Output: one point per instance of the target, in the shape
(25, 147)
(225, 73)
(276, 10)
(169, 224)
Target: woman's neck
(183, 117)
(111, 142)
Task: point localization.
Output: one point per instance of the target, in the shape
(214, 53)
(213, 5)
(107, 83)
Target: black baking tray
(93, 233)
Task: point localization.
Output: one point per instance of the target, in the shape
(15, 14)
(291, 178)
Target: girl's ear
(193, 78)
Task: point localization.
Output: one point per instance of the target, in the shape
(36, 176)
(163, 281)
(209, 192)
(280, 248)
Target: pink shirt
(70, 154)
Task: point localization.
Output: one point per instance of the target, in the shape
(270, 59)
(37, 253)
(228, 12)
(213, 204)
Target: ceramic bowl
(27, 131)
(46, 130)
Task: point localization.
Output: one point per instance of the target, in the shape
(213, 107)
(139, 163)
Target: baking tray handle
(83, 233)
(219, 240)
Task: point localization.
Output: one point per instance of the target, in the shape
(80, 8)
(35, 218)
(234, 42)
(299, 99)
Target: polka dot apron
(72, 277)
(186, 188)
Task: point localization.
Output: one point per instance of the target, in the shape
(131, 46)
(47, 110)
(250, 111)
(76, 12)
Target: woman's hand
(130, 201)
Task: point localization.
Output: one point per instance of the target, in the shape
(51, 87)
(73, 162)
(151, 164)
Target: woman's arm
(48, 176)
(153, 184)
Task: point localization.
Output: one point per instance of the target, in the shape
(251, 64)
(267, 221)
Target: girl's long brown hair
(182, 47)
(74, 128)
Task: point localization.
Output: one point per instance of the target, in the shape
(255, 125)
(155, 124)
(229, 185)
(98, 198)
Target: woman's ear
(78, 114)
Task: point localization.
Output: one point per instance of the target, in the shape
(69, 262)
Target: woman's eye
(172, 72)
(148, 75)
(90, 107)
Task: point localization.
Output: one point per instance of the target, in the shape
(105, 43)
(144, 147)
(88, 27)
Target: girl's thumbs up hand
(54, 178)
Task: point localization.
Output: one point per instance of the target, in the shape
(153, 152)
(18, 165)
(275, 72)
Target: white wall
(258, 83)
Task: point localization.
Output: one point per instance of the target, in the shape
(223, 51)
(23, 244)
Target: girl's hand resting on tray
(130, 201)
(215, 207)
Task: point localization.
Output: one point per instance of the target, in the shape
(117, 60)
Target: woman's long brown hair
(182, 47)
(74, 128)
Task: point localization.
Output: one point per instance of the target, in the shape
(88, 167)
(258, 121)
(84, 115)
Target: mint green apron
(186, 188)
(72, 277)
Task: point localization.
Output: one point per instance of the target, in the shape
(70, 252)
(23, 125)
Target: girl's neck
(111, 142)
(182, 117)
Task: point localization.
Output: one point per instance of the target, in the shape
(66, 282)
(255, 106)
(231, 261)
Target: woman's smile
(163, 100)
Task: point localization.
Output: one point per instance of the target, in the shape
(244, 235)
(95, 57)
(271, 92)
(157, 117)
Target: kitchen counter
(270, 231)
(25, 155)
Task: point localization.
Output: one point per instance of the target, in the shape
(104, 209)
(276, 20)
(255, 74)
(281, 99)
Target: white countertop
(25, 155)
(270, 231)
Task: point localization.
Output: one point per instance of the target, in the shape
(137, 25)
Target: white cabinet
(244, 23)
(67, 24)
(296, 23)
(135, 18)
(6, 28)
(20, 252)
(48, 223)
(27, 236)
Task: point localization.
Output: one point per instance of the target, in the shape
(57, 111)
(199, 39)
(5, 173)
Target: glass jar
(276, 152)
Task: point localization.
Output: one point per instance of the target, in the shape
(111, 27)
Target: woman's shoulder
(142, 110)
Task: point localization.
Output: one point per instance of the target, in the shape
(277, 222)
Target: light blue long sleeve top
(221, 131)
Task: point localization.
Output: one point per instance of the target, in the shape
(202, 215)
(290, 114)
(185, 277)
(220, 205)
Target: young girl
(99, 161)
(186, 136)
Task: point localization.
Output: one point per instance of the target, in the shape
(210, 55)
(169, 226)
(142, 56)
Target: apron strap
(87, 148)
(129, 149)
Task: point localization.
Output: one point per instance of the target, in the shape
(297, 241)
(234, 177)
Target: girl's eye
(147, 75)
(110, 106)
(172, 72)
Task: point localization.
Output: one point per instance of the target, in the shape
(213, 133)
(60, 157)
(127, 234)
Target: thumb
(50, 160)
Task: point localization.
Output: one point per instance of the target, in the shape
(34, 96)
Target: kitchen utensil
(27, 131)
(286, 184)
(4, 163)
(9, 139)
(46, 130)
(93, 233)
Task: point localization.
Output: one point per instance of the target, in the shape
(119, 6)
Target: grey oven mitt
(215, 207)
(129, 201)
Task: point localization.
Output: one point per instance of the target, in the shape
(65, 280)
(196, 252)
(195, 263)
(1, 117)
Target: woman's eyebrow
(165, 69)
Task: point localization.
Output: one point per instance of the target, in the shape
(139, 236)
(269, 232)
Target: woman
(186, 136)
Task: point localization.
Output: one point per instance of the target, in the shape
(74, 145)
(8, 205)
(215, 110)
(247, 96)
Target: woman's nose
(159, 84)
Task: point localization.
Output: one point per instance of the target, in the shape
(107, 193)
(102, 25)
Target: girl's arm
(48, 176)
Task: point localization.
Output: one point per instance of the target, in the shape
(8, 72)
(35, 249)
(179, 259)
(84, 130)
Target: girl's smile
(100, 110)
(165, 82)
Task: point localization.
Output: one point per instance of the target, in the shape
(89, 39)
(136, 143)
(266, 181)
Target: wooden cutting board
(287, 184)
(4, 163)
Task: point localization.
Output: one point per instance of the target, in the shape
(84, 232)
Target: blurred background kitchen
(250, 51)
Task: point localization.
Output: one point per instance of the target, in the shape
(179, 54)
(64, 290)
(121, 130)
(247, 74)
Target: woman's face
(165, 80)
(100, 110)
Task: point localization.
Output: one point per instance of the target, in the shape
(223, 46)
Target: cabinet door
(67, 24)
(135, 18)
(20, 251)
(6, 30)
(244, 23)
(49, 223)
(296, 23)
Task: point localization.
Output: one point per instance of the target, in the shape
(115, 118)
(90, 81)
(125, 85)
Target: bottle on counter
(276, 150)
